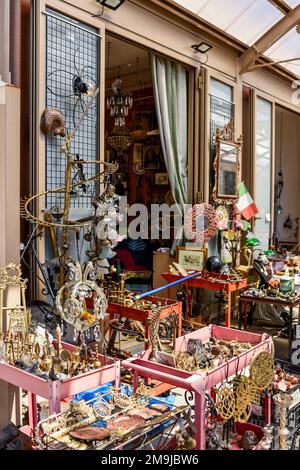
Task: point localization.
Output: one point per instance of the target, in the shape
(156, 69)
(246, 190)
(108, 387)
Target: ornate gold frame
(226, 135)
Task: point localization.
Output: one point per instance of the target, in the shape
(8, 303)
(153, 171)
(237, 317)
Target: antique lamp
(112, 4)
(118, 103)
(119, 139)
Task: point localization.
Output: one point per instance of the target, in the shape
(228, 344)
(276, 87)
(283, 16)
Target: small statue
(248, 441)
(53, 121)
(8, 433)
(185, 441)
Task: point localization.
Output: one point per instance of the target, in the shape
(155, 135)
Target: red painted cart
(168, 307)
(217, 282)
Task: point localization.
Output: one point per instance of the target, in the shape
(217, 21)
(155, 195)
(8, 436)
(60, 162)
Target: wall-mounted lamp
(112, 4)
(202, 47)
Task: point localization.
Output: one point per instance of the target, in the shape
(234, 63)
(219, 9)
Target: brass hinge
(200, 83)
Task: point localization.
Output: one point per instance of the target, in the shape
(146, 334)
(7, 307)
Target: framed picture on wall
(161, 179)
(138, 150)
(191, 259)
(143, 120)
(151, 156)
(120, 176)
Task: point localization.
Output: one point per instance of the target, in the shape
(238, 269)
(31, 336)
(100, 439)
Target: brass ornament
(246, 390)
(186, 361)
(120, 399)
(225, 402)
(71, 300)
(262, 370)
(242, 411)
(65, 355)
(144, 394)
(102, 409)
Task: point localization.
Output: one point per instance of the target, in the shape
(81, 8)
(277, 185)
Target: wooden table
(252, 300)
(217, 282)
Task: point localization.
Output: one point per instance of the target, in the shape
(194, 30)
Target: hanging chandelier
(119, 139)
(118, 103)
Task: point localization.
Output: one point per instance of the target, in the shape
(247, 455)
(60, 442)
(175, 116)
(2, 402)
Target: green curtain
(171, 99)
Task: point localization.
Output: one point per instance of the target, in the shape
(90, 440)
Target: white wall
(4, 41)
(10, 409)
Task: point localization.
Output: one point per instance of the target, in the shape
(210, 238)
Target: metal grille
(72, 49)
(221, 113)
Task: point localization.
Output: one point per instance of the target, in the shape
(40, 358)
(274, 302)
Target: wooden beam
(282, 6)
(269, 38)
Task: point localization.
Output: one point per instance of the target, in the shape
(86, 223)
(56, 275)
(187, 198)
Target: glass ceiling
(247, 21)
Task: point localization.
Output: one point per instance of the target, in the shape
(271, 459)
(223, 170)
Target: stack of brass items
(116, 292)
(34, 352)
(209, 355)
(271, 293)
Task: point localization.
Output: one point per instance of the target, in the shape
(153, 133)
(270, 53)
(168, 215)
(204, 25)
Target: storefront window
(72, 64)
(221, 113)
(263, 170)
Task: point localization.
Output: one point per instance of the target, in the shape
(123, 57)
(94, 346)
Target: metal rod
(158, 289)
(47, 283)
(28, 243)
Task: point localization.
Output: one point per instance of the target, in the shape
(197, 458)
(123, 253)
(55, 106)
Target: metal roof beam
(269, 38)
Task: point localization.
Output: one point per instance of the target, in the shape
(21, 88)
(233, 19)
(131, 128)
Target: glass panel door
(263, 171)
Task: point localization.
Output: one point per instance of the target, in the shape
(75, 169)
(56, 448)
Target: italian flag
(245, 203)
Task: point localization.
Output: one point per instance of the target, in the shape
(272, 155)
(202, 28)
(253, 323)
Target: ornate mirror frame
(226, 136)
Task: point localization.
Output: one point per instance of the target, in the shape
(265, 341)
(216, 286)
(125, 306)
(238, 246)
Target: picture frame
(161, 179)
(191, 258)
(120, 177)
(165, 358)
(143, 120)
(138, 151)
(151, 157)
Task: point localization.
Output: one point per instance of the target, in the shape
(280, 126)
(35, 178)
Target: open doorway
(287, 173)
(133, 140)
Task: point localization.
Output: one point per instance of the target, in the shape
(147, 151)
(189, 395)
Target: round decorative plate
(159, 407)
(90, 433)
(262, 369)
(138, 169)
(126, 423)
(201, 223)
(222, 217)
(145, 413)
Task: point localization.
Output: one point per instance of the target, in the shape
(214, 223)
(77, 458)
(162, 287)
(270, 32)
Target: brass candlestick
(283, 401)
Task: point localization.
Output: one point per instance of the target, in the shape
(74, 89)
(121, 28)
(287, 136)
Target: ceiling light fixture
(112, 4)
(202, 47)
(118, 103)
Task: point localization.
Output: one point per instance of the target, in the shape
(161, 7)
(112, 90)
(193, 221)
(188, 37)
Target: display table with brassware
(142, 312)
(251, 300)
(197, 382)
(57, 390)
